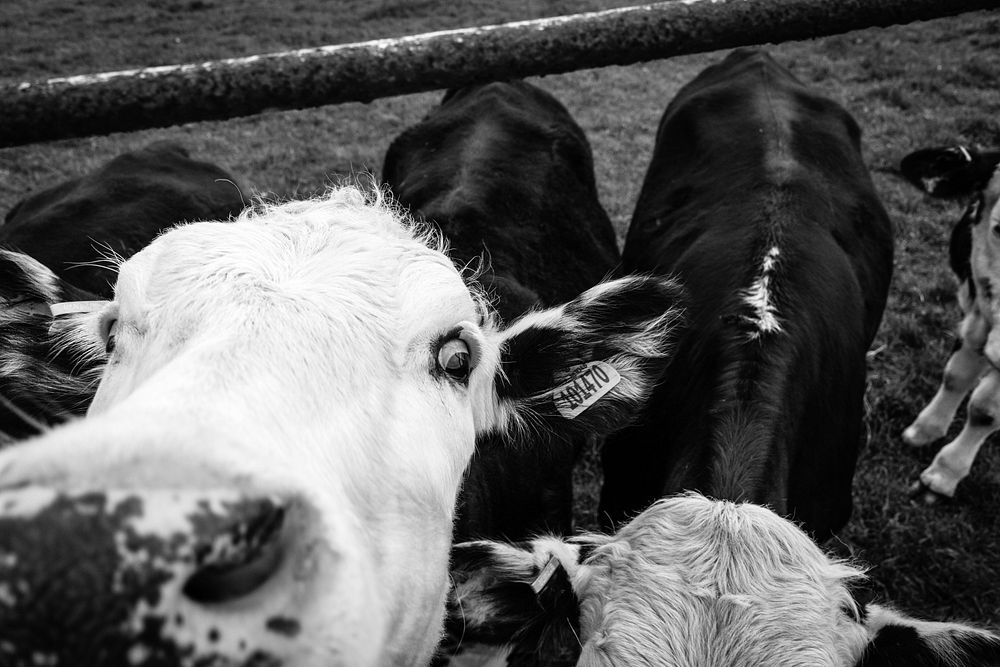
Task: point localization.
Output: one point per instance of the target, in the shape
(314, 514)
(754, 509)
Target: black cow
(119, 208)
(758, 200)
(508, 175)
(975, 258)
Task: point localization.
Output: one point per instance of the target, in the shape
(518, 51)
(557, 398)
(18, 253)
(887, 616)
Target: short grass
(910, 86)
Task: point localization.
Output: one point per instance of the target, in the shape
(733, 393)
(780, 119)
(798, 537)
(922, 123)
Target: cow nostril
(237, 558)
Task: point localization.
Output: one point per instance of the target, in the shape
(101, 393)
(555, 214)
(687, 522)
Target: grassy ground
(912, 86)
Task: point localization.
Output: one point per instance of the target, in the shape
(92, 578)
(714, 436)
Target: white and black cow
(119, 209)
(507, 175)
(692, 582)
(757, 199)
(268, 472)
(973, 366)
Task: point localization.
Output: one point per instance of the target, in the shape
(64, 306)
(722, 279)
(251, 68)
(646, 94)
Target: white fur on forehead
(734, 585)
(281, 237)
(349, 242)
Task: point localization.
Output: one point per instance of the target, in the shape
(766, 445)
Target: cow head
(267, 473)
(692, 581)
(949, 171)
(975, 240)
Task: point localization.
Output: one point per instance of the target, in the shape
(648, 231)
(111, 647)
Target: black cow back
(119, 207)
(508, 176)
(757, 198)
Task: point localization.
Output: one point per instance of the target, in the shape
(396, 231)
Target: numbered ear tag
(586, 385)
(543, 578)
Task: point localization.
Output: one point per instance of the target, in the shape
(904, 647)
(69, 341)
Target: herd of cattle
(323, 432)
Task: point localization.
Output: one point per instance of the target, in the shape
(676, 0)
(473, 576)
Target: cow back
(117, 209)
(758, 200)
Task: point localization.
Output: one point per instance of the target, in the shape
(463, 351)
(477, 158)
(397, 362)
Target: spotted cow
(507, 175)
(117, 209)
(268, 471)
(973, 365)
(757, 199)
(692, 582)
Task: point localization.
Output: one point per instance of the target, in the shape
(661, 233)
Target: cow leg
(954, 461)
(965, 366)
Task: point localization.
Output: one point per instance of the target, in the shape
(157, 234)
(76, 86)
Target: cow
(507, 175)
(974, 255)
(757, 199)
(74, 227)
(690, 582)
(268, 470)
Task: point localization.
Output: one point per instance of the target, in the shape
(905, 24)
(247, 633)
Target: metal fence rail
(170, 95)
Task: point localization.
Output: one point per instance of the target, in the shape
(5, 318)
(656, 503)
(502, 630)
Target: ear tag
(542, 580)
(586, 385)
(32, 307)
(67, 307)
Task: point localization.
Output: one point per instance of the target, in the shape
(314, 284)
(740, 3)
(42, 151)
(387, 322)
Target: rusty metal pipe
(164, 96)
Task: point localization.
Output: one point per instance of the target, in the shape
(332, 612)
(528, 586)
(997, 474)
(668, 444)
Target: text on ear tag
(586, 385)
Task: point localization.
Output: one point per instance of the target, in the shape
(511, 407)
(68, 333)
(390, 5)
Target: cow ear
(587, 367)
(946, 172)
(515, 595)
(897, 641)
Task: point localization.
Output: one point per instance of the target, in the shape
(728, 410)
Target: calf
(118, 209)
(973, 365)
(267, 473)
(506, 174)
(692, 582)
(757, 199)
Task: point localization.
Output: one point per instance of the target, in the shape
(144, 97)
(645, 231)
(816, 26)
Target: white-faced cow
(118, 209)
(757, 199)
(692, 582)
(507, 175)
(267, 474)
(974, 363)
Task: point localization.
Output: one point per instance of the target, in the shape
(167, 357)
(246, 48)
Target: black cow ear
(588, 367)
(515, 595)
(897, 641)
(946, 172)
(51, 355)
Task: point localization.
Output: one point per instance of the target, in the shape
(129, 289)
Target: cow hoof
(925, 495)
(919, 435)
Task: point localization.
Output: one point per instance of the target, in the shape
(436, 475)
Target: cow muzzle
(163, 577)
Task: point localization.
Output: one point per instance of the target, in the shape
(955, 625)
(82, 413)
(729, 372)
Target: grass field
(910, 86)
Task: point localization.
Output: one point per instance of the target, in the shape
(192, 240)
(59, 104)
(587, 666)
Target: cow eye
(108, 330)
(453, 359)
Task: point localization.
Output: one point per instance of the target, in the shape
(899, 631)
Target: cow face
(692, 581)
(268, 470)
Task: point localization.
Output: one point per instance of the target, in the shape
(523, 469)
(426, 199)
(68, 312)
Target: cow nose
(90, 578)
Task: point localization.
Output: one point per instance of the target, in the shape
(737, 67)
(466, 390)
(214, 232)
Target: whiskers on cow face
(271, 461)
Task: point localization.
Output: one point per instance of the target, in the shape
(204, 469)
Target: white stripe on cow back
(760, 298)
